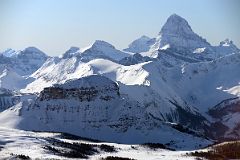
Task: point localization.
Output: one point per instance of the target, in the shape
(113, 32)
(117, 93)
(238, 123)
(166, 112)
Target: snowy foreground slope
(175, 89)
(35, 145)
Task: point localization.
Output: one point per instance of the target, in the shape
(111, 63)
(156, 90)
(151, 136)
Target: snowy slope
(33, 144)
(141, 44)
(142, 82)
(73, 63)
(29, 60)
(10, 79)
(56, 70)
(15, 68)
(93, 107)
(219, 79)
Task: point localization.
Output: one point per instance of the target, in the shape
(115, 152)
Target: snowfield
(32, 144)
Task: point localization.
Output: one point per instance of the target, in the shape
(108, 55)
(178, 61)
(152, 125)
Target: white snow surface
(10, 79)
(105, 121)
(31, 144)
(193, 81)
(87, 82)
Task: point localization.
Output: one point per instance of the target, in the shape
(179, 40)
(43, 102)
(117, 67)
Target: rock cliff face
(82, 90)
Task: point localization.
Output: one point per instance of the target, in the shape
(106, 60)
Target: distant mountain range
(175, 89)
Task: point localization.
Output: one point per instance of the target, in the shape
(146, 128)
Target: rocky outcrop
(104, 88)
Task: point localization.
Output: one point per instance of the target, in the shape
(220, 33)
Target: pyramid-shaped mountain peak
(175, 24)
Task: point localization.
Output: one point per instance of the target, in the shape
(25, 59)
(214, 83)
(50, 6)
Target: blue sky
(55, 25)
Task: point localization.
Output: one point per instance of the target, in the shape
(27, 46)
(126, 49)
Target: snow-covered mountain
(177, 33)
(160, 89)
(176, 85)
(15, 66)
(177, 44)
(205, 86)
(219, 79)
(160, 84)
(141, 44)
(72, 51)
(154, 94)
(10, 53)
(94, 107)
(102, 49)
(29, 60)
(23, 62)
